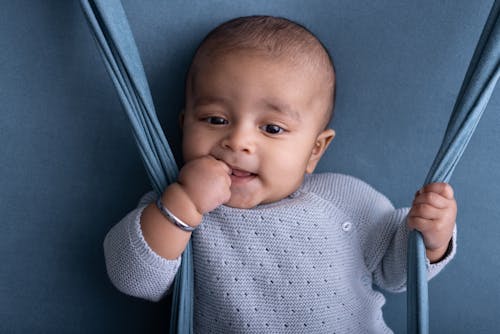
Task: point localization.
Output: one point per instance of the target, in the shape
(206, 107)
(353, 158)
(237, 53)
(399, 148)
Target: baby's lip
(240, 172)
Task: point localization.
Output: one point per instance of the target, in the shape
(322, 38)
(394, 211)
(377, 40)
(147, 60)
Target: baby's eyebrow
(281, 108)
(207, 100)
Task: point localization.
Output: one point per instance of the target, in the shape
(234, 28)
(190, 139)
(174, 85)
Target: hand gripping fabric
(117, 46)
(115, 41)
(480, 80)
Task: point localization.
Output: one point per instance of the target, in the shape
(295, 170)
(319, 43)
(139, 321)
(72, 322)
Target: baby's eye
(216, 120)
(273, 129)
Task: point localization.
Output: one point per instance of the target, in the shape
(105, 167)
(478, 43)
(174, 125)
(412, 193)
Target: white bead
(346, 226)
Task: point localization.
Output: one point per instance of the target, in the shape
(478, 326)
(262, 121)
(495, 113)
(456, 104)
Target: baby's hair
(271, 36)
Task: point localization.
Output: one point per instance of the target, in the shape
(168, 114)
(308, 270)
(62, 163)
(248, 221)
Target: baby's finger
(420, 224)
(442, 188)
(432, 198)
(226, 168)
(425, 211)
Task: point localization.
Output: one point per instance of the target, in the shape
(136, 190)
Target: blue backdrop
(70, 169)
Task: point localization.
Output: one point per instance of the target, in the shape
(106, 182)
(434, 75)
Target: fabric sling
(477, 87)
(116, 44)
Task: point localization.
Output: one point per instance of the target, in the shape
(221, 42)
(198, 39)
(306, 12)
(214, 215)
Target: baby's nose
(240, 140)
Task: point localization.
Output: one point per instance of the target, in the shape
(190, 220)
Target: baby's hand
(433, 213)
(207, 183)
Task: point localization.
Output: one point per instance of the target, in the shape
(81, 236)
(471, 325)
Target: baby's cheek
(288, 175)
(194, 146)
(295, 164)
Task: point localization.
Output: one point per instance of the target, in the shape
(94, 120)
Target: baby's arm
(433, 213)
(203, 185)
(383, 233)
(132, 266)
(137, 249)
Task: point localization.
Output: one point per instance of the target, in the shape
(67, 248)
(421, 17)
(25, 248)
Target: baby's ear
(322, 141)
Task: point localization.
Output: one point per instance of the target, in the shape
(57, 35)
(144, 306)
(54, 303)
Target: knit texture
(306, 263)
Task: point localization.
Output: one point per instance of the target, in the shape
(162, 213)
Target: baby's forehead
(264, 70)
(298, 54)
(289, 62)
(305, 63)
(247, 62)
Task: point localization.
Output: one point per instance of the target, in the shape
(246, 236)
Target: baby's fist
(207, 182)
(433, 213)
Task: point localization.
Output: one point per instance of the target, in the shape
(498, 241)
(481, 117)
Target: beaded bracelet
(172, 218)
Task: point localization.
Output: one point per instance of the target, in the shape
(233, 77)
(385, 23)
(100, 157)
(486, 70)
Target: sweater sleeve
(389, 261)
(132, 266)
(384, 239)
(382, 229)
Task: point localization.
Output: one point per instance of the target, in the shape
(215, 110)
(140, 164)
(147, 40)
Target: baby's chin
(242, 203)
(245, 201)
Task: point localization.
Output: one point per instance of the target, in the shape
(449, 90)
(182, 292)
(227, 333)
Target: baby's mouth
(241, 176)
(240, 173)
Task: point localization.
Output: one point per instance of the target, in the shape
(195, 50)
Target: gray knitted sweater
(304, 264)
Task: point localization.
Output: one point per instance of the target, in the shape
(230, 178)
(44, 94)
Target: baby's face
(262, 117)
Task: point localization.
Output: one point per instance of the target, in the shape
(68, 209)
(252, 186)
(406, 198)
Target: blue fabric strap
(116, 43)
(480, 80)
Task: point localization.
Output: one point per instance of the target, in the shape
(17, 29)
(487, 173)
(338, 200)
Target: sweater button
(346, 226)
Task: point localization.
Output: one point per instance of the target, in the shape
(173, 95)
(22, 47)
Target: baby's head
(259, 96)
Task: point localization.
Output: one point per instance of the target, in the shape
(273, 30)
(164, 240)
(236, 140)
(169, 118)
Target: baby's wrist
(177, 200)
(436, 255)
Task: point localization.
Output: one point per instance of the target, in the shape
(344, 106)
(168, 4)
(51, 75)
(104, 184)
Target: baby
(276, 248)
